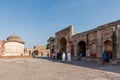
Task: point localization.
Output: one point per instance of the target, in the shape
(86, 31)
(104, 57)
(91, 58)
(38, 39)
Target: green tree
(50, 40)
(48, 46)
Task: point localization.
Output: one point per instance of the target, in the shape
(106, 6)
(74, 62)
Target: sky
(36, 20)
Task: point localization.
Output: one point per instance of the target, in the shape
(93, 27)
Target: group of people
(66, 57)
(106, 56)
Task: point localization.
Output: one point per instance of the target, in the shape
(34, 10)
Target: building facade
(41, 51)
(91, 43)
(28, 51)
(13, 46)
(38, 50)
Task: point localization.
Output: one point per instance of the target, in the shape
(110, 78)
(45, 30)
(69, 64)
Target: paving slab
(47, 69)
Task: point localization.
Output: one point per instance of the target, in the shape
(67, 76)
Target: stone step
(99, 60)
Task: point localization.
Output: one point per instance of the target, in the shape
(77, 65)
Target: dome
(14, 38)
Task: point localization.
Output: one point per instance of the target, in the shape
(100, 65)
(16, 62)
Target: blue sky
(36, 20)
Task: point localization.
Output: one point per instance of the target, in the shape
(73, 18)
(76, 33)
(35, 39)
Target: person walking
(63, 56)
(105, 58)
(69, 57)
(80, 56)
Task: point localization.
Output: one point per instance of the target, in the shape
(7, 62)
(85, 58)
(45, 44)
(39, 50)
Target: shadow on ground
(92, 65)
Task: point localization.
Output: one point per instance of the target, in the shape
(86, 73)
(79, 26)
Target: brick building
(91, 43)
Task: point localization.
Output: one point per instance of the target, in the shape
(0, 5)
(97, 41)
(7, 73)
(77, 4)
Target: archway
(108, 47)
(63, 45)
(62, 48)
(82, 48)
(35, 53)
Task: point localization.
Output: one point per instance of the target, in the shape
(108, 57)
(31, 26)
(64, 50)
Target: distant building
(28, 51)
(38, 50)
(2, 42)
(41, 51)
(14, 46)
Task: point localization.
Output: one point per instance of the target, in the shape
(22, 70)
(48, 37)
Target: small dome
(14, 38)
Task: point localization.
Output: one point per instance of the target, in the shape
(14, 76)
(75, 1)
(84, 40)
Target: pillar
(99, 43)
(118, 41)
(75, 50)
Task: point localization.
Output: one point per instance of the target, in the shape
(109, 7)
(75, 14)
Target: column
(114, 40)
(75, 50)
(99, 44)
(118, 41)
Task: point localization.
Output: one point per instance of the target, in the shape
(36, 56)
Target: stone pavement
(47, 69)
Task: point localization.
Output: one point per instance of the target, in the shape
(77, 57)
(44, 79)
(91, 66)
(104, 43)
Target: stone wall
(103, 38)
(63, 39)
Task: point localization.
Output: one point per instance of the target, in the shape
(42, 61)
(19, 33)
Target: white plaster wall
(14, 49)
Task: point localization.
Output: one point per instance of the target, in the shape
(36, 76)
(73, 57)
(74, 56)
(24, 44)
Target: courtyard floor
(47, 69)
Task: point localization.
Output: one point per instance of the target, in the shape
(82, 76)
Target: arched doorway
(35, 53)
(108, 47)
(62, 48)
(63, 45)
(82, 48)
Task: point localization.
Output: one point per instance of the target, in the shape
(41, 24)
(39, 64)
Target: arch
(63, 45)
(82, 47)
(108, 47)
(35, 53)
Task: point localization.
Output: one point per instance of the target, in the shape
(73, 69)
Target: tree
(50, 40)
(48, 46)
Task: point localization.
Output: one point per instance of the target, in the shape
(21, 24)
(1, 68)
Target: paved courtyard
(46, 69)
